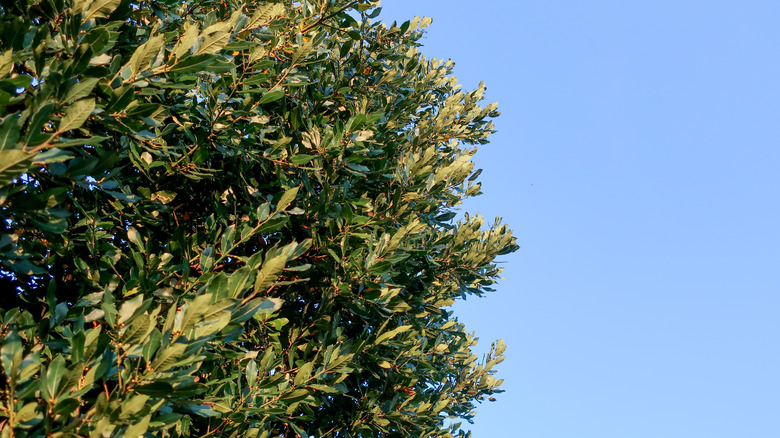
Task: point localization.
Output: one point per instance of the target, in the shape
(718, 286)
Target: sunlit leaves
(237, 222)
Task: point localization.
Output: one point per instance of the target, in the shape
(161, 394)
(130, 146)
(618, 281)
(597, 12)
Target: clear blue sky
(638, 162)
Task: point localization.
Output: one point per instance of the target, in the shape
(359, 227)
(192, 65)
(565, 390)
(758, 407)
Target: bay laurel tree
(236, 218)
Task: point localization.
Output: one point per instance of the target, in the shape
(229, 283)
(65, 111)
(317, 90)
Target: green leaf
(6, 63)
(192, 64)
(186, 40)
(272, 225)
(11, 84)
(201, 310)
(264, 14)
(40, 118)
(358, 167)
(101, 9)
(13, 163)
(134, 405)
(138, 330)
(126, 197)
(286, 199)
(303, 374)
(207, 259)
(77, 347)
(345, 48)
(52, 224)
(203, 410)
(298, 430)
(211, 324)
(237, 282)
(301, 53)
(143, 55)
(129, 308)
(155, 389)
(296, 395)
(168, 357)
(76, 115)
(53, 376)
(89, 141)
(301, 158)
(11, 353)
(269, 305)
(271, 96)
(257, 305)
(392, 333)
(29, 366)
(251, 373)
(135, 238)
(29, 415)
(81, 90)
(55, 155)
(9, 132)
(269, 272)
(138, 429)
(216, 38)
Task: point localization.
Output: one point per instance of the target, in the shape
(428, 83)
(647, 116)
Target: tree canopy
(236, 218)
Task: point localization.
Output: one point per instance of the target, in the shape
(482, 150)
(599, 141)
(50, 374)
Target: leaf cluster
(236, 218)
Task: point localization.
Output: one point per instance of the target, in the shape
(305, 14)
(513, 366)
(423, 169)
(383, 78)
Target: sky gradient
(637, 162)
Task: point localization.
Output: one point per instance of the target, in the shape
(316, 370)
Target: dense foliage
(235, 218)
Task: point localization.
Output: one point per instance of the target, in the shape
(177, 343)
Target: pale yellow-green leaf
(441, 405)
(134, 236)
(392, 333)
(286, 199)
(100, 59)
(302, 52)
(269, 272)
(138, 429)
(101, 9)
(163, 196)
(144, 54)
(6, 63)
(133, 405)
(364, 135)
(77, 114)
(78, 6)
(186, 40)
(264, 14)
(414, 23)
(27, 414)
(215, 38)
(129, 307)
(257, 54)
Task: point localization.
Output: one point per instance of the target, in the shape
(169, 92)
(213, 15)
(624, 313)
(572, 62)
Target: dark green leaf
(9, 133)
(271, 96)
(193, 63)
